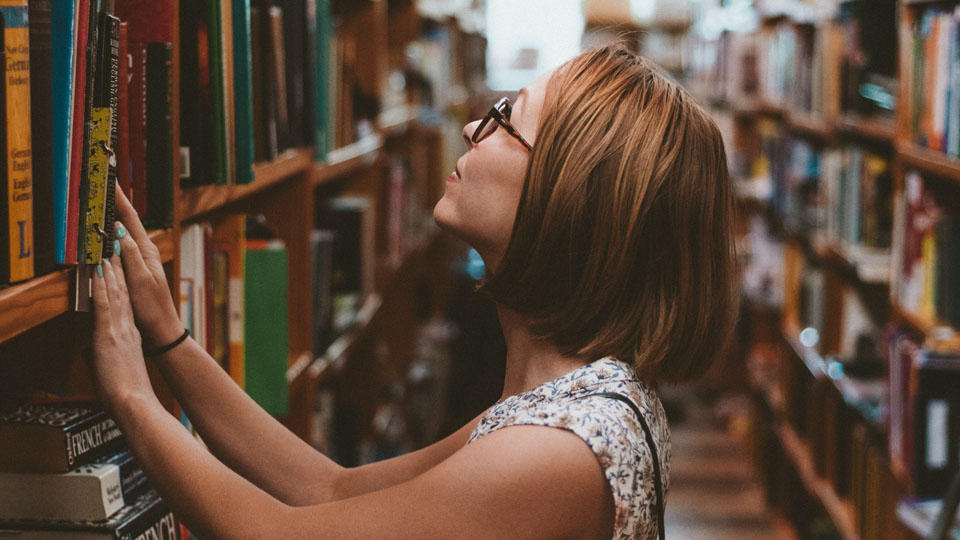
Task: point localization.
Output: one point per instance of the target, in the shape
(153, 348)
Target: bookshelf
(290, 189)
(823, 431)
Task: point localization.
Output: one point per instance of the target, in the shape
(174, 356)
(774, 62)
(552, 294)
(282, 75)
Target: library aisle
(714, 489)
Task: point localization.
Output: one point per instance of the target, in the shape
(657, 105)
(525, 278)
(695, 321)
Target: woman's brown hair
(622, 243)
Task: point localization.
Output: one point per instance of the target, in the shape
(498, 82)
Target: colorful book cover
(63, 26)
(16, 37)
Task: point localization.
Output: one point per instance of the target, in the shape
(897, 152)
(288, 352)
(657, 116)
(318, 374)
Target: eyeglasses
(500, 114)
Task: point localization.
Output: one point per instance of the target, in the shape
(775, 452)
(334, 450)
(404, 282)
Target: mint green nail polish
(116, 247)
(100, 270)
(121, 232)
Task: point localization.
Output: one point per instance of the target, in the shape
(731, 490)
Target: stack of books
(66, 472)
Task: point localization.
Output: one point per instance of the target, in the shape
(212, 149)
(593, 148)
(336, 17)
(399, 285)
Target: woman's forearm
(212, 500)
(241, 434)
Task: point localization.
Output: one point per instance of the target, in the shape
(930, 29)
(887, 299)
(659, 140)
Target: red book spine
(123, 121)
(76, 137)
(137, 126)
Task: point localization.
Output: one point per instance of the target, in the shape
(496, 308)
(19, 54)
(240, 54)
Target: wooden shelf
(811, 127)
(31, 303)
(197, 202)
(397, 121)
(924, 326)
(840, 511)
(875, 129)
(929, 161)
(348, 159)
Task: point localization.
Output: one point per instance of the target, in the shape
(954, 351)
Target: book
(55, 437)
(123, 114)
(936, 422)
(229, 236)
(321, 246)
(102, 136)
(193, 282)
(86, 493)
(77, 129)
(265, 328)
(159, 148)
(18, 184)
(243, 91)
(63, 25)
(137, 125)
(197, 161)
(352, 221)
(278, 120)
(144, 518)
(320, 73)
(41, 131)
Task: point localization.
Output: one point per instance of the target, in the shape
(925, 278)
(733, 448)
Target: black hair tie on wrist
(160, 350)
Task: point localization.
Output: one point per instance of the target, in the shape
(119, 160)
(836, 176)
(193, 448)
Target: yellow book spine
(98, 167)
(16, 38)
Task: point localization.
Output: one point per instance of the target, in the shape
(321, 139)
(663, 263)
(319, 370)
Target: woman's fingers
(101, 303)
(110, 281)
(133, 260)
(130, 219)
(117, 266)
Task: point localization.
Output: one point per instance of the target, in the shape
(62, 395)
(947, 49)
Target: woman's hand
(118, 365)
(153, 306)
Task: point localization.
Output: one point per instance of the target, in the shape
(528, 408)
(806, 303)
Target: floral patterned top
(608, 426)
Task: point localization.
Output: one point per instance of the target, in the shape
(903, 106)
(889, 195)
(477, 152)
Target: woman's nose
(467, 133)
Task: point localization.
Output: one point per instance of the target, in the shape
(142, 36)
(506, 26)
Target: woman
(601, 203)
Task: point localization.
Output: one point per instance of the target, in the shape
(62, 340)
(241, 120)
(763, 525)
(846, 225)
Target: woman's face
(482, 194)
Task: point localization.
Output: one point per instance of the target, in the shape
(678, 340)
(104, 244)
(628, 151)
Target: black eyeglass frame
(499, 113)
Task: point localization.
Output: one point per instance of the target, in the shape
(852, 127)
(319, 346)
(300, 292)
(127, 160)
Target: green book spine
(215, 52)
(321, 74)
(265, 325)
(243, 91)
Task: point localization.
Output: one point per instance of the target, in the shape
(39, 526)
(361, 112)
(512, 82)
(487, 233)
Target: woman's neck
(531, 361)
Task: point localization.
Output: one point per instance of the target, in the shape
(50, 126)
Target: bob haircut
(622, 243)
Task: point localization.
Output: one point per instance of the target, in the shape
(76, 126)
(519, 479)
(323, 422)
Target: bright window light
(525, 39)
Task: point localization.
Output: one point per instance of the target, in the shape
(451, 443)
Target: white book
(91, 492)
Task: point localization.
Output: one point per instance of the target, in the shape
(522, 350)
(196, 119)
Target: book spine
(259, 95)
(138, 126)
(77, 126)
(229, 116)
(90, 440)
(93, 40)
(217, 91)
(155, 520)
(63, 35)
(112, 78)
(243, 91)
(123, 114)
(159, 136)
(4, 208)
(18, 148)
(320, 77)
(265, 328)
(97, 235)
(41, 136)
(278, 80)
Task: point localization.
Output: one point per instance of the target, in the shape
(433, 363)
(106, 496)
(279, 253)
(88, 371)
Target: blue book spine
(243, 91)
(62, 30)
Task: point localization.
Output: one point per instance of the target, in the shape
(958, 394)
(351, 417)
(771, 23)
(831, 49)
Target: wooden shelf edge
(921, 325)
(29, 304)
(868, 128)
(930, 161)
(811, 126)
(348, 159)
(165, 242)
(798, 452)
(396, 121)
(196, 202)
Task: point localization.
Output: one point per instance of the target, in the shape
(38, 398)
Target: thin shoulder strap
(653, 451)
